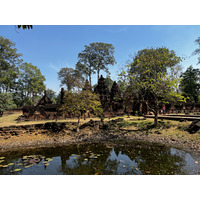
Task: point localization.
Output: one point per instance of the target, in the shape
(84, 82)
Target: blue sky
(53, 47)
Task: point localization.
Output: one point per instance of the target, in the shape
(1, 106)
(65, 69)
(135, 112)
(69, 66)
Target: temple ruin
(112, 102)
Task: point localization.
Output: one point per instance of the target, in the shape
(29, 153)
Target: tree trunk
(77, 128)
(90, 79)
(98, 71)
(156, 113)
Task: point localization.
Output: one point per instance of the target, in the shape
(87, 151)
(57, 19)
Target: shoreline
(107, 136)
(62, 133)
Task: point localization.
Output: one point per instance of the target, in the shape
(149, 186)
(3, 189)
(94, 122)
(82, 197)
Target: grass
(169, 129)
(166, 128)
(11, 120)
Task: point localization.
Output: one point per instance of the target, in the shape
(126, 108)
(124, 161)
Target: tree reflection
(101, 159)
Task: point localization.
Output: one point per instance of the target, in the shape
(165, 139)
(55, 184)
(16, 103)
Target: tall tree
(190, 83)
(9, 62)
(30, 83)
(95, 57)
(70, 78)
(149, 75)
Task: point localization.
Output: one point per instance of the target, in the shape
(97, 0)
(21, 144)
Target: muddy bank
(63, 134)
(36, 140)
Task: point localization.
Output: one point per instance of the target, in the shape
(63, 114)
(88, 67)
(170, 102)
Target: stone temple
(112, 102)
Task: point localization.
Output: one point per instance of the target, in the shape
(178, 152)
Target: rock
(157, 132)
(194, 127)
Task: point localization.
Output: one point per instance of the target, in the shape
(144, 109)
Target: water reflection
(126, 158)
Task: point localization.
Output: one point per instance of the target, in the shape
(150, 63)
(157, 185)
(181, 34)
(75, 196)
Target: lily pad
(1, 165)
(86, 159)
(5, 165)
(95, 157)
(2, 161)
(91, 156)
(2, 158)
(45, 162)
(16, 170)
(19, 164)
(11, 163)
(27, 166)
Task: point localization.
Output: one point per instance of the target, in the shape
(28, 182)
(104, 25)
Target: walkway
(176, 117)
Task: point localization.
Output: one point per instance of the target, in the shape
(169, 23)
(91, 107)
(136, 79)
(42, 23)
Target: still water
(119, 157)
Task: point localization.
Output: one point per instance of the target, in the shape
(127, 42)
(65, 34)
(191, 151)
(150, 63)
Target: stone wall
(35, 128)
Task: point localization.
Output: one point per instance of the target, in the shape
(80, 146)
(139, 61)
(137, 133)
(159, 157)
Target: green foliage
(95, 57)
(109, 82)
(24, 27)
(70, 78)
(51, 94)
(190, 83)
(78, 103)
(9, 62)
(6, 101)
(30, 85)
(149, 76)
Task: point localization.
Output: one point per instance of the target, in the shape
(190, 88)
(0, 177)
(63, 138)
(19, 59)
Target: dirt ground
(168, 132)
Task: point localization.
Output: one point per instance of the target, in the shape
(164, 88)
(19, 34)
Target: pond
(112, 158)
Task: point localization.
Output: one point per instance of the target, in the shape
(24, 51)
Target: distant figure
(163, 109)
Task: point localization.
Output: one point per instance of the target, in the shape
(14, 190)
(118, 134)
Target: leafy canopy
(150, 77)
(95, 57)
(9, 63)
(30, 85)
(190, 83)
(78, 103)
(6, 101)
(150, 71)
(70, 78)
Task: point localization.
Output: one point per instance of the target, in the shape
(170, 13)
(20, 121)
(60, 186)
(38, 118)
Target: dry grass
(168, 129)
(11, 120)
